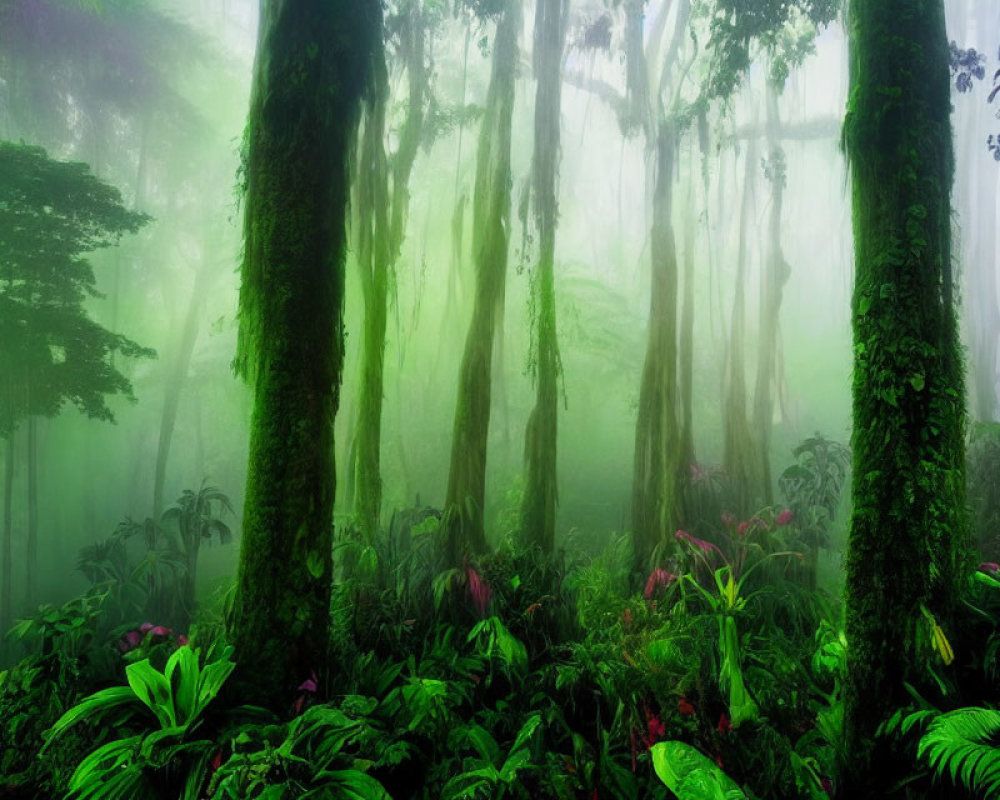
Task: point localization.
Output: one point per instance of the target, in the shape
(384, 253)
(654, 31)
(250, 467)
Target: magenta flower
(479, 589)
(657, 578)
(701, 544)
(308, 685)
(989, 566)
(181, 640)
(130, 641)
(784, 517)
(146, 627)
(159, 630)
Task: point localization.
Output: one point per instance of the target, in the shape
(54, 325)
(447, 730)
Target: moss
(302, 120)
(908, 490)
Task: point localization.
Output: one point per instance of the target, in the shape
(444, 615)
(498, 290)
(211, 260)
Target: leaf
(97, 704)
(152, 688)
(691, 775)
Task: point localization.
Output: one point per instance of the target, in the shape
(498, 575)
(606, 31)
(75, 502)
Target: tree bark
(309, 76)
(908, 525)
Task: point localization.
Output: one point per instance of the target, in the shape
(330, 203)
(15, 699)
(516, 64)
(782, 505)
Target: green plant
(176, 699)
(691, 775)
(490, 770)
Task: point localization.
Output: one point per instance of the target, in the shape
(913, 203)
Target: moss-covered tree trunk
(656, 487)
(908, 525)
(383, 214)
(464, 528)
(7, 542)
(309, 76)
(774, 275)
(538, 508)
(31, 543)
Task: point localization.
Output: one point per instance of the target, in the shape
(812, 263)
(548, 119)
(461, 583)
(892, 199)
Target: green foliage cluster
(53, 214)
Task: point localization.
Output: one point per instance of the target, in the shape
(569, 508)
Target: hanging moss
(908, 486)
(464, 529)
(309, 75)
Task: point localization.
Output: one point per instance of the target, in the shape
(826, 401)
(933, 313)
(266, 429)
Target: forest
(524, 399)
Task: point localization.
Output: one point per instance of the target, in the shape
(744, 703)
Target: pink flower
(989, 566)
(308, 685)
(130, 641)
(146, 627)
(784, 517)
(479, 589)
(658, 577)
(741, 529)
(181, 640)
(159, 630)
(701, 544)
(655, 729)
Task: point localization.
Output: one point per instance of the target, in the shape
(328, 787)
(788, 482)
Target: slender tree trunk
(176, 380)
(382, 230)
(309, 75)
(464, 503)
(908, 525)
(656, 488)
(685, 341)
(538, 509)
(7, 544)
(739, 456)
(774, 275)
(31, 561)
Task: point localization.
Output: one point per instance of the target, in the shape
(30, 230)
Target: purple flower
(130, 641)
(159, 630)
(308, 685)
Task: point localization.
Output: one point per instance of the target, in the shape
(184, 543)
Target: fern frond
(963, 745)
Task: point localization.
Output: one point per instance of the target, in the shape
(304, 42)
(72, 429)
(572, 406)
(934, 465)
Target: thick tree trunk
(908, 526)
(538, 509)
(464, 528)
(310, 72)
(656, 487)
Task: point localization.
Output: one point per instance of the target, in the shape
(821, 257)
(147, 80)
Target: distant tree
(311, 70)
(908, 524)
(52, 214)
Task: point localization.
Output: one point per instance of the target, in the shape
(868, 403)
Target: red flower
(658, 577)
(684, 708)
(784, 517)
(701, 544)
(479, 589)
(724, 726)
(741, 529)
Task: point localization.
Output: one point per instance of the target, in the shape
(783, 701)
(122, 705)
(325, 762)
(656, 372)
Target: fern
(963, 745)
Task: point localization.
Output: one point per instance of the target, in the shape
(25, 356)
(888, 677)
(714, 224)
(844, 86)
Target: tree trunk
(464, 528)
(176, 379)
(774, 276)
(310, 73)
(7, 544)
(739, 457)
(383, 218)
(656, 489)
(31, 560)
(908, 524)
(538, 508)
